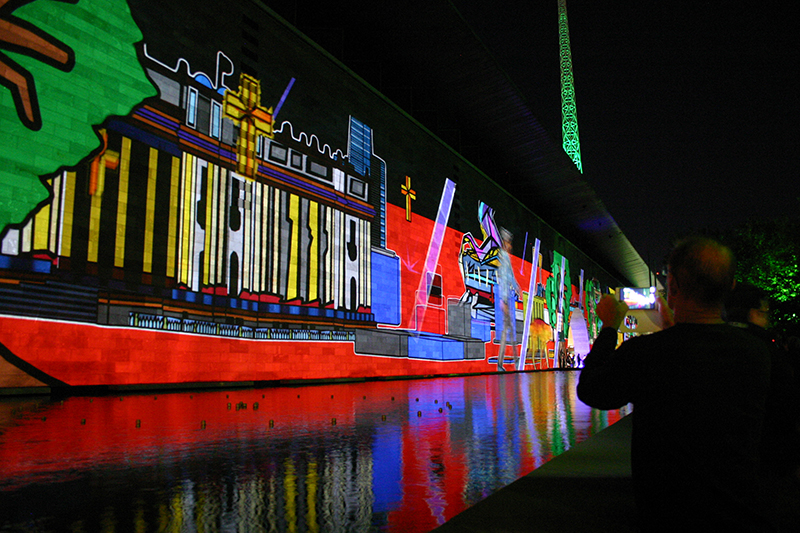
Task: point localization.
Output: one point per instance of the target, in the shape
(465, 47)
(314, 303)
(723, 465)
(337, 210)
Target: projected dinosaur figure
(479, 262)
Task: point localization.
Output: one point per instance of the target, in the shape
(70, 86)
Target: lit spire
(569, 113)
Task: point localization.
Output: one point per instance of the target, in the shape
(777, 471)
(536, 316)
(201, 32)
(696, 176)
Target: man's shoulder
(700, 332)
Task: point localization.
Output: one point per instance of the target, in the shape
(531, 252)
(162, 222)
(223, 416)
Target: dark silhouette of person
(699, 388)
(747, 307)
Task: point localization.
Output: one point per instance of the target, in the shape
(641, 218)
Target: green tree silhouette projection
(65, 66)
(552, 293)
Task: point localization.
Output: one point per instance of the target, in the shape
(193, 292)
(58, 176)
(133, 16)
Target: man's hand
(665, 314)
(611, 311)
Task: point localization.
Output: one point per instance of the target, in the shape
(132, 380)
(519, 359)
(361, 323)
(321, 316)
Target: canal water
(401, 456)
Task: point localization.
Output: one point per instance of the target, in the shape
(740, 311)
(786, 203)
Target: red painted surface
(81, 354)
(450, 442)
(85, 354)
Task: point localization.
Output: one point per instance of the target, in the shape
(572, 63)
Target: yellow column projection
(187, 236)
(94, 216)
(122, 202)
(313, 259)
(41, 228)
(294, 216)
(150, 210)
(173, 215)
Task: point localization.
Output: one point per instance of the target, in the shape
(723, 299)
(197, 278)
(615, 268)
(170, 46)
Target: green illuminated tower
(569, 113)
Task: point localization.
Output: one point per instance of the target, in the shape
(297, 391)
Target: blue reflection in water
(377, 456)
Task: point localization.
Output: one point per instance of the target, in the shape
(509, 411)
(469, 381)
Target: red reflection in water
(385, 456)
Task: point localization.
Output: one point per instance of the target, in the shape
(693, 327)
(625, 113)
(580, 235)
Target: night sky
(687, 111)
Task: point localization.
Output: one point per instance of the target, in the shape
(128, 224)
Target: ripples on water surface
(376, 456)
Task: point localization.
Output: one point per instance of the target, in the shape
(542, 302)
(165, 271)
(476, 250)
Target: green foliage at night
(768, 254)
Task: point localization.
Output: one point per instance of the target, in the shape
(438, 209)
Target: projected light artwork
(166, 228)
(569, 109)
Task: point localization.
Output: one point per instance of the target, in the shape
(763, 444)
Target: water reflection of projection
(399, 456)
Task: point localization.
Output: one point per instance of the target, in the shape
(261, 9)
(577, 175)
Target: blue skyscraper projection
(384, 263)
(368, 164)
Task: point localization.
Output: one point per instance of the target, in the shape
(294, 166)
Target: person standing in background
(506, 289)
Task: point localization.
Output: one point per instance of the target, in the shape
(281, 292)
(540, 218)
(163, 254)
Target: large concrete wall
(205, 170)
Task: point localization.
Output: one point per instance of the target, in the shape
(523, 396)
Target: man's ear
(672, 284)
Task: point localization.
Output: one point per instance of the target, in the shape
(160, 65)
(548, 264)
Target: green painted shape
(552, 293)
(106, 80)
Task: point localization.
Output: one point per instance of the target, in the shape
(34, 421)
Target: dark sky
(687, 111)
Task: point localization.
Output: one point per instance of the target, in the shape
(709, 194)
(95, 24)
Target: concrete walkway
(587, 488)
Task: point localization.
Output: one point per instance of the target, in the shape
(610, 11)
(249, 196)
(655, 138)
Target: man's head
(701, 272)
(506, 237)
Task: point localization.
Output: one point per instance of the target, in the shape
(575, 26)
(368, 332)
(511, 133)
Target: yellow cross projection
(409, 193)
(245, 109)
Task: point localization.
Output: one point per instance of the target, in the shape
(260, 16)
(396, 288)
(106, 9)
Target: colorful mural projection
(479, 265)
(593, 295)
(52, 95)
(526, 330)
(559, 295)
(427, 279)
(164, 227)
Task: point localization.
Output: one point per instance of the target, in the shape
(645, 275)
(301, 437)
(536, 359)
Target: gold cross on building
(409, 193)
(245, 109)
